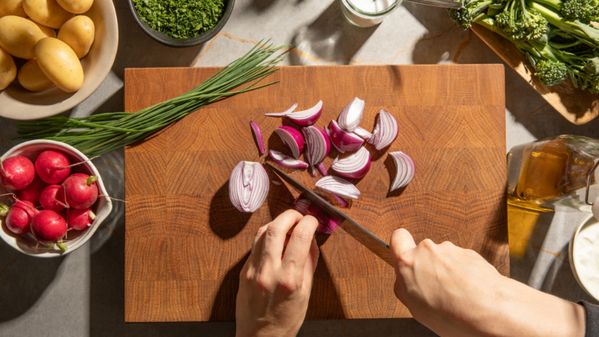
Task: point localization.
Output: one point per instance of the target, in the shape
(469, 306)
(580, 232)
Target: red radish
(48, 226)
(53, 198)
(16, 172)
(18, 219)
(80, 219)
(32, 192)
(52, 167)
(81, 190)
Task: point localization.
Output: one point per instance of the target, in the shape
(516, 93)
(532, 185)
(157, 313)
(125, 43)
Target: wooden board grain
(185, 243)
(577, 106)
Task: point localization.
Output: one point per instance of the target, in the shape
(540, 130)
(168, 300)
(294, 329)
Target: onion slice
(286, 161)
(284, 113)
(248, 186)
(344, 141)
(301, 118)
(338, 186)
(405, 169)
(292, 138)
(354, 166)
(258, 137)
(351, 116)
(327, 224)
(363, 133)
(318, 145)
(385, 130)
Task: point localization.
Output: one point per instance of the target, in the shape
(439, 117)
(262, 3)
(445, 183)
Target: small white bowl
(578, 270)
(18, 103)
(27, 245)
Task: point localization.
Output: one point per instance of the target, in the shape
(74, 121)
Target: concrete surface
(82, 294)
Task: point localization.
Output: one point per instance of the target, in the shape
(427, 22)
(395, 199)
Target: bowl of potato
(53, 54)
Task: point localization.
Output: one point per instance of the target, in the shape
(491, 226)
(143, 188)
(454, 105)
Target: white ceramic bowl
(18, 103)
(26, 244)
(577, 270)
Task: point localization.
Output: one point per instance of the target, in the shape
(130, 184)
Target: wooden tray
(577, 106)
(185, 243)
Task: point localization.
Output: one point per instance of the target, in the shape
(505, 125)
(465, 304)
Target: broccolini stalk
(582, 10)
(520, 22)
(586, 33)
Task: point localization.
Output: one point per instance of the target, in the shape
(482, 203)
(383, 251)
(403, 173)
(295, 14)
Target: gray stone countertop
(82, 294)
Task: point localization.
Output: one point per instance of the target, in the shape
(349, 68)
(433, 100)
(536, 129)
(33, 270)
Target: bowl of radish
(52, 198)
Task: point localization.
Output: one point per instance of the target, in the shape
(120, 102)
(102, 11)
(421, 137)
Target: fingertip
(402, 241)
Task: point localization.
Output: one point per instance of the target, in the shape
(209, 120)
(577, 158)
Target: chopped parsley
(180, 19)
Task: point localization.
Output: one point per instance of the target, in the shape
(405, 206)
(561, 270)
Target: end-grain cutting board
(185, 243)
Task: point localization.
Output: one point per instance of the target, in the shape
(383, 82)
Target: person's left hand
(276, 280)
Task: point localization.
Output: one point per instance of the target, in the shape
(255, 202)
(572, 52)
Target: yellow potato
(76, 6)
(79, 34)
(46, 12)
(18, 36)
(11, 7)
(32, 78)
(60, 64)
(48, 32)
(8, 69)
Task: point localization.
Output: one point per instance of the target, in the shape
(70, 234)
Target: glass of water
(367, 13)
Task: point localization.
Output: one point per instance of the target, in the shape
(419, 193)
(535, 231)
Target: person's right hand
(456, 292)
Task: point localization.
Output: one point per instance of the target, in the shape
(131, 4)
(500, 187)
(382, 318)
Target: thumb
(401, 242)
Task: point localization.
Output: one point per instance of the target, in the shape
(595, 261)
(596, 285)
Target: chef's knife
(376, 245)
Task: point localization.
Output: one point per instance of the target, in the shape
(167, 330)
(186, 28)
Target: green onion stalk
(106, 132)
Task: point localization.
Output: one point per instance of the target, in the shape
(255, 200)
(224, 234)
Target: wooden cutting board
(185, 243)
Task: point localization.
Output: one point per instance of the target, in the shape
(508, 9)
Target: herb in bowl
(180, 19)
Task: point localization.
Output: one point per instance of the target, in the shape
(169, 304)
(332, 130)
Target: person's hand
(276, 280)
(456, 292)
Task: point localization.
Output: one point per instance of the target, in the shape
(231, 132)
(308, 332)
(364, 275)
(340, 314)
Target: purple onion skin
(357, 174)
(307, 121)
(258, 137)
(343, 140)
(327, 141)
(297, 136)
(326, 223)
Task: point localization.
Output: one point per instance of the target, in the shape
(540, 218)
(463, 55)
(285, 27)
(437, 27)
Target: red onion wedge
(301, 118)
(284, 113)
(327, 224)
(286, 161)
(318, 145)
(258, 137)
(342, 140)
(354, 166)
(351, 116)
(363, 133)
(338, 186)
(405, 170)
(248, 186)
(385, 130)
(292, 138)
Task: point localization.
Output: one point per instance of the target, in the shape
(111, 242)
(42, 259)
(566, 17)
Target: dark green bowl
(169, 41)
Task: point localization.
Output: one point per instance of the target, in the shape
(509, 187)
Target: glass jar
(542, 173)
(367, 13)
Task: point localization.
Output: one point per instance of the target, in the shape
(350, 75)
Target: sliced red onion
(301, 118)
(327, 224)
(248, 186)
(351, 116)
(344, 141)
(338, 186)
(258, 137)
(282, 114)
(322, 169)
(292, 138)
(405, 170)
(385, 130)
(363, 133)
(318, 144)
(308, 116)
(286, 161)
(354, 166)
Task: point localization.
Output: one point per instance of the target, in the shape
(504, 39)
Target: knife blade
(360, 233)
